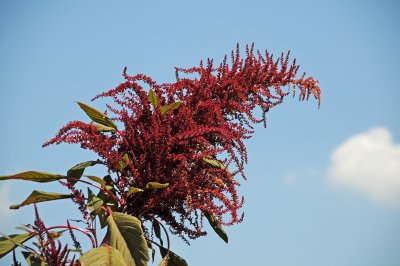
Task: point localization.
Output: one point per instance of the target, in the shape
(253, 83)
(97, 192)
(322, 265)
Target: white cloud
(5, 212)
(369, 163)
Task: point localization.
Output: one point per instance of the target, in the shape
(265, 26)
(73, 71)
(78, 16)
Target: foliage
(173, 151)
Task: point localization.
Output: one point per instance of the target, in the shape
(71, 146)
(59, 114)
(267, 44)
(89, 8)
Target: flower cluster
(53, 251)
(189, 134)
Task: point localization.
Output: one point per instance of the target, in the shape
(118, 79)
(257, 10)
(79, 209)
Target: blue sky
(323, 185)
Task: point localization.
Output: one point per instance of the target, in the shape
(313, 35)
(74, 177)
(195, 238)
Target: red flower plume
(188, 134)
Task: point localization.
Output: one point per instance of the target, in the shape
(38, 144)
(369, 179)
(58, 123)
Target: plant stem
(102, 188)
(87, 233)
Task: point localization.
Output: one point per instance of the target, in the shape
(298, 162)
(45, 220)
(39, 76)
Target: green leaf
(77, 171)
(153, 251)
(123, 162)
(9, 243)
(102, 256)
(157, 231)
(126, 235)
(216, 226)
(97, 116)
(214, 163)
(102, 219)
(94, 203)
(109, 183)
(32, 260)
(134, 190)
(155, 185)
(110, 186)
(108, 200)
(164, 109)
(57, 234)
(175, 105)
(96, 179)
(40, 196)
(153, 99)
(173, 258)
(103, 128)
(34, 176)
(24, 228)
(164, 261)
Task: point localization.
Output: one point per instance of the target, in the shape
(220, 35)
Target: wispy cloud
(369, 162)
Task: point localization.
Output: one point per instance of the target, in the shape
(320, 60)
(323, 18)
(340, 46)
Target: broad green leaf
(134, 190)
(97, 116)
(32, 260)
(8, 243)
(96, 179)
(214, 163)
(102, 256)
(155, 185)
(126, 235)
(173, 258)
(153, 99)
(77, 171)
(216, 226)
(103, 128)
(34, 176)
(123, 162)
(94, 203)
(40, 196)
